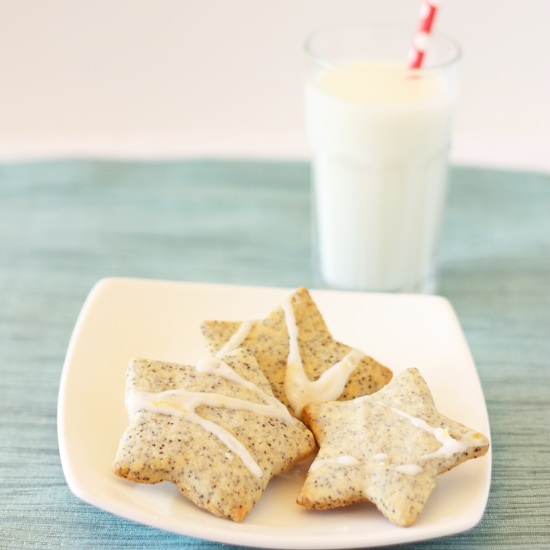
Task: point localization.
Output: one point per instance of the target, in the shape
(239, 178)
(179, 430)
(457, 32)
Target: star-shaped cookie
(298, 355)
(386, 448)
(214, 430)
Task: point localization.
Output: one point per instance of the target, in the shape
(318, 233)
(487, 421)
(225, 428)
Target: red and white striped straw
(420, 40)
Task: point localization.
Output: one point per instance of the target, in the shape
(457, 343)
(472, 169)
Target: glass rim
(335, 65)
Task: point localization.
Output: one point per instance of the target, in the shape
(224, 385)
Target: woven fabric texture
(66, 224)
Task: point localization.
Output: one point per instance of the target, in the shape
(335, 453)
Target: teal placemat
(66, 224)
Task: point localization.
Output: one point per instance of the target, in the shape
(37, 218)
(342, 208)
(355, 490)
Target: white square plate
(125, 318)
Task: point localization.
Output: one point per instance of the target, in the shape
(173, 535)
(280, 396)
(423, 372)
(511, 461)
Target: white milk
(380, 139)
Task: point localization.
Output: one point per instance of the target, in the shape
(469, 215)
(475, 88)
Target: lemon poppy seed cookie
(298, 355)
(215, 431)
(387, 448)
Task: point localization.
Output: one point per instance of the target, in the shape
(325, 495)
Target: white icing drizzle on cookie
(345, 460)
(380, 456)
(449, 445)
(217, 367)
(182, 404)
(237, 339)
(409, 469)
(299, 389)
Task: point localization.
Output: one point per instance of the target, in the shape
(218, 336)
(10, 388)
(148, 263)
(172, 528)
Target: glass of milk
(380, 135)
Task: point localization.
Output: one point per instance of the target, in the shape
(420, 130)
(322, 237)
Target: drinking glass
(380, 136)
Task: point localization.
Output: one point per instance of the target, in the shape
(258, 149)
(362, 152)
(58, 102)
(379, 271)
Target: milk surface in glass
(380, 138)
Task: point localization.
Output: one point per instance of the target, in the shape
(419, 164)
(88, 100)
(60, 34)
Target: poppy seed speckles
(268, 341)
(157, 447)
(386, 448)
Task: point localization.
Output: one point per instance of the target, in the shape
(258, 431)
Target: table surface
(66, 224)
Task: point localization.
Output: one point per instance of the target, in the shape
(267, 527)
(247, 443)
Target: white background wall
(160, 78)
